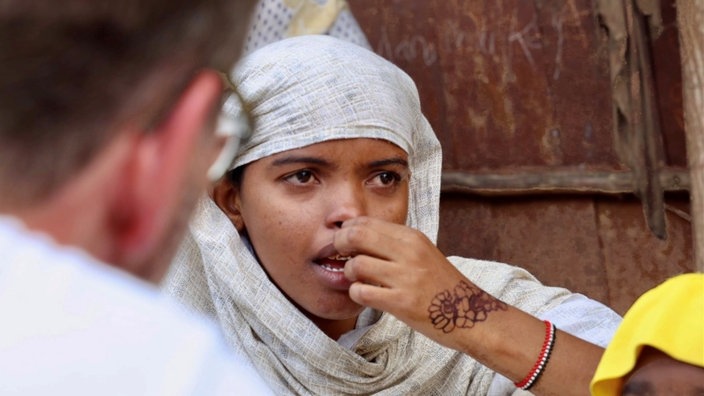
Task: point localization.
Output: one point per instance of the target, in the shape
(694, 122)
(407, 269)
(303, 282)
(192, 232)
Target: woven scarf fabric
(669, 317)
(302, 91)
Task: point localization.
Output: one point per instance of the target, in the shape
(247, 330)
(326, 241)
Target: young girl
(316, 254)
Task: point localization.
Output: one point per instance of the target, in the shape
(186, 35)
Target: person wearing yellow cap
(659, 347)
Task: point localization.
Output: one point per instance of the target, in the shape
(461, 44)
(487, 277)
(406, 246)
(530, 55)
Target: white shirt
(70, 325)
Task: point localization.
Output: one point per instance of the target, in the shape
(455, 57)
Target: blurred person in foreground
(659, 347)
(107, 119)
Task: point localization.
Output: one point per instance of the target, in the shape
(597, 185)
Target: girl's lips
(333, 273)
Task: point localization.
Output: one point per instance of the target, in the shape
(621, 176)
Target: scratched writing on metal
(474, 36)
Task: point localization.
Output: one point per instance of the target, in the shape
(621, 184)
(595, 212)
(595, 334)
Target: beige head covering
(302, 91)
(315, 88)
(669, 318)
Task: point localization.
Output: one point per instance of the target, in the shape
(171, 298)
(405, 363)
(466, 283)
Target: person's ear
(226, 196)
(164, 166)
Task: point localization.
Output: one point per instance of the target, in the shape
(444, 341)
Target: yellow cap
(669, 317)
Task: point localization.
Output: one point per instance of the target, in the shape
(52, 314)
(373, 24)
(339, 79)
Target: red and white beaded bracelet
(539, 366)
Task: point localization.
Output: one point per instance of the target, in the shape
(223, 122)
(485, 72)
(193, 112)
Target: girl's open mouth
(334, 263)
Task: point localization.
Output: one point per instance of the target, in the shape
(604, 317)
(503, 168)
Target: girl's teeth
(337, 257)
(333, 269)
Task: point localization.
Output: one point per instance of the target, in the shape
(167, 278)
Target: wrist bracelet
(539, 366)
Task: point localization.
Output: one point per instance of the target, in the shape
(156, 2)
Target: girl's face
(290, 205)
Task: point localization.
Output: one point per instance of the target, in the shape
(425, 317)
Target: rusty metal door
(562, 132)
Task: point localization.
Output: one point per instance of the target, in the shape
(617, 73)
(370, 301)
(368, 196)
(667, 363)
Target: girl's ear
(226, 196)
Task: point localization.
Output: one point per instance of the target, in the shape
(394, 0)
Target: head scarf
(337, 90)
(301, 91)
(669, 318)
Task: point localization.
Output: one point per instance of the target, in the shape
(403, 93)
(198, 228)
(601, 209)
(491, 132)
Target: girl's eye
(301, 177)
(387, 178)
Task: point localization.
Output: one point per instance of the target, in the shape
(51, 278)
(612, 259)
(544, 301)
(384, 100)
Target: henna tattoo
(463, 308)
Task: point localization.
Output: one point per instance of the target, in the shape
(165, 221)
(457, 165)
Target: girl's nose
(345, 203)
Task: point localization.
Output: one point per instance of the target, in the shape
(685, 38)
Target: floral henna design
(463, 308)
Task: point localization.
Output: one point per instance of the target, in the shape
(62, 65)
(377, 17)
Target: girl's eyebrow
(303, 160)
(390, 161)
(292, 159)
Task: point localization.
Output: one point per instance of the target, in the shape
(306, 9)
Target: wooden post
(690, 20)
